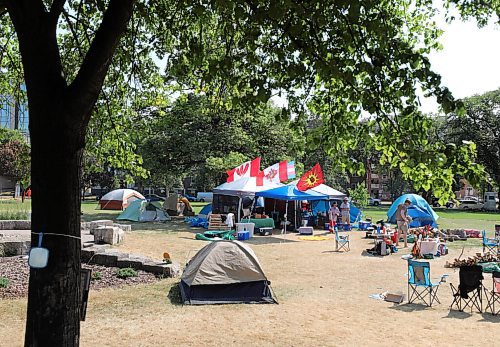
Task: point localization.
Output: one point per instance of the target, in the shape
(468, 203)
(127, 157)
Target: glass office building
(14, 115)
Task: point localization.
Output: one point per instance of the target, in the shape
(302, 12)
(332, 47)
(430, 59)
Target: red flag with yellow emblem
(311, 178)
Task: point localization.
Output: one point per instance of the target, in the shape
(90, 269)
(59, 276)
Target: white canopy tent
(243, 187)
(326, 190)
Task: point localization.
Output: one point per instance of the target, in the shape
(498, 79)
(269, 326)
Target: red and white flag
(277, 173)
(248, 169)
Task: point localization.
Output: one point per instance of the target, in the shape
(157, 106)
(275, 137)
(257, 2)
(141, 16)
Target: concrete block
(162, 269)
(99, 223)
(104, 259)
(13, 248)
(124, 227)
(174, 269)
(129, 262)
(109, 235)
(87, 253)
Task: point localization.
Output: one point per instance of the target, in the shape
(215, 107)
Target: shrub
(4, 282)
(96, 276)
(126, 273)
(13, 215)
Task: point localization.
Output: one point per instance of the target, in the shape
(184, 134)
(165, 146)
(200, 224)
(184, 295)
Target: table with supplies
(428, 246)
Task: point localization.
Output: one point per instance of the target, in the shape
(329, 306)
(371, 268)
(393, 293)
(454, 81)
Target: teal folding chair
(420, 286)
(341, 242)
(490, 244)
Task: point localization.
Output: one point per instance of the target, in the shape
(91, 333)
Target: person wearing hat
(345, 211)
(403, 220)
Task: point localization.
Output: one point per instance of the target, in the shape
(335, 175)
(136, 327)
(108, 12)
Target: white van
(205, 196)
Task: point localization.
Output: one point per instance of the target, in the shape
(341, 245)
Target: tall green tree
(14, 156)
(194, 139)
(353, 56)
(480, 125)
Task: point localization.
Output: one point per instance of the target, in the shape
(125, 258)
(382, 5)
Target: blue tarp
(290, 192)
(420, 211)
(323, 206)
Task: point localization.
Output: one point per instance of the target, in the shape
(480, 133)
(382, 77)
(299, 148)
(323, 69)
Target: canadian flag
(276, 173)
(248, 169)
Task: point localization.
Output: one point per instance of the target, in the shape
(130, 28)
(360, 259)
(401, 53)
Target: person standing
(345, 209)
(333, 214)
(403, 221)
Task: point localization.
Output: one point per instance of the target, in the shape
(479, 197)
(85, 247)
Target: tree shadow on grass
(174, 295)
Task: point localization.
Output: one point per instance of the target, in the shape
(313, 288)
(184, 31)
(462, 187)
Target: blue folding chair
(490, 244)
(341, 242)
(419, 283)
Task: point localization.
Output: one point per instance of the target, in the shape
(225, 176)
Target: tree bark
(54, 292)
(59, 115)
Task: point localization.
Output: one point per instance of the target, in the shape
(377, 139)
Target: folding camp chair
(419, 283)
(470, 284)
(490, 244)
(341, 242)
(493, 297)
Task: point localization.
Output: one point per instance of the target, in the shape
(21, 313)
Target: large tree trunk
(59, 114)
(54, 293)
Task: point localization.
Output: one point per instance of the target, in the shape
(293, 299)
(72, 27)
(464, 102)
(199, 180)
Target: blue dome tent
(420, 211)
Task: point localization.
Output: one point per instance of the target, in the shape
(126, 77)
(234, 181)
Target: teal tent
(144, 211)
(420, 211)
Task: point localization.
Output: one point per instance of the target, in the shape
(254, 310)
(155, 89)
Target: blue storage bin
(346, 227)
(243, 235)
(364, 225)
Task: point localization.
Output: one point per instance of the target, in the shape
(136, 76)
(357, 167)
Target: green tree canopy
(14, 155)
(480, 125)
(192, 139)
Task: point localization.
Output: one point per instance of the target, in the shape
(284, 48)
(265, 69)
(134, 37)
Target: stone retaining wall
(15, 225)
(105, 256)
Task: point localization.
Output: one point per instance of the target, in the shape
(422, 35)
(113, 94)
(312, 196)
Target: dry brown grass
(323, 299)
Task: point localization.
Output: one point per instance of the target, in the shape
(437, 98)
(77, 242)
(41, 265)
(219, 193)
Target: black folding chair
(470, 288)
(493, 297)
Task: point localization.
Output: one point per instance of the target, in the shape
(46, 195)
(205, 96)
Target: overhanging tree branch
(55, 10)
(86, 87)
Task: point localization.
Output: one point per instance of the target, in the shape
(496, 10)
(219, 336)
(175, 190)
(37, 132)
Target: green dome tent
(144, 211)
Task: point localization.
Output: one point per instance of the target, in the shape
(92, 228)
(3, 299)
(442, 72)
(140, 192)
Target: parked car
(475, 198)
(154, 197)
(191, 198)
(470, 204)
(374, 201)
(205, 196)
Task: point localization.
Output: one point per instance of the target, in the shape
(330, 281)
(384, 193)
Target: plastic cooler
(243, 235)
(364, 225)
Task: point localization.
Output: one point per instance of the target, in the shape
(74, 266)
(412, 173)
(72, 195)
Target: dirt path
(323, 295)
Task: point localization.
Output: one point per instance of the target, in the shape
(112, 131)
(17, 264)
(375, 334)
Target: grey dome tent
(225, 272)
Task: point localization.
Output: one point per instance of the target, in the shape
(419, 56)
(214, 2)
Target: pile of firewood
(478, 258)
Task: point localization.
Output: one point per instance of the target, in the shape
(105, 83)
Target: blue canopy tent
(420, 211)
(291, 193)
(323, 207)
